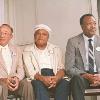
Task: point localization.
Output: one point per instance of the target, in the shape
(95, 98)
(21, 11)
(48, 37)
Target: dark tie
(91, 57)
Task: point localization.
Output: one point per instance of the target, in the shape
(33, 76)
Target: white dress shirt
(86, 48)
(43, 58)
(6, 54)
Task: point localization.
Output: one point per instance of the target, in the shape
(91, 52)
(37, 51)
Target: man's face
(41, 37)
(5, 35)
(89, 26)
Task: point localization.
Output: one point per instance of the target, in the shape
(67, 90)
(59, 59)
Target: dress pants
(78, 86)
(25, 90)
(61, 91)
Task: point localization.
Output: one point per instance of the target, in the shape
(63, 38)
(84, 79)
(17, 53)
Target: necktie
(91, 57)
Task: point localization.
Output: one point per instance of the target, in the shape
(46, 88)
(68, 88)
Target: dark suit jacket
(75, 58)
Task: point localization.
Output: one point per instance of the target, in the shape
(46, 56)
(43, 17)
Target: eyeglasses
(4, 34)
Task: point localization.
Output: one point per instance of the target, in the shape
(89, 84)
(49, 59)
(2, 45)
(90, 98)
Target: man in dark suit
(82, 58)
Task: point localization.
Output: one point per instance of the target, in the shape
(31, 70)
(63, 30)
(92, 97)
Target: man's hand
(89, 77)
(50, 81)
(96, 80)
(13, 83)
(96, 77)
(45, 79)
(54, 81)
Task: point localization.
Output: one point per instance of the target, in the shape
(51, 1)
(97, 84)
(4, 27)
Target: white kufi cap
(42, 26)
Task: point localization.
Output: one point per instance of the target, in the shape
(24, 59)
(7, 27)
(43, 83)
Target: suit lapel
(13, 55)
(97, 52)
(2, 63)
(52, 54)
(34, 58)
(82, 48)
(95, 45)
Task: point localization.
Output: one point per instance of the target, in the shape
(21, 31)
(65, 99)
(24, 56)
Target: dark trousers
(61, 91)
(78, 86)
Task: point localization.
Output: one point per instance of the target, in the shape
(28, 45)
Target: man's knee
(0, 90)
(3, 91)
(37, 83)
(63, 86)
(64, 83)
(78, 81)
(26, 89)
(76, 78)
(26, 83)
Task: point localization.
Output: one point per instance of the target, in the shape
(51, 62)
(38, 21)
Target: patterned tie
(91, 57)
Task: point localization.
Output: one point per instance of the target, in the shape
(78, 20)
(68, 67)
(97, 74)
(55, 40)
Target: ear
(82, 26)
(11, 36)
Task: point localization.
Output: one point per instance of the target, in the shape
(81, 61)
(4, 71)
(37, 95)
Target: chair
(92, 91)
(15, 97)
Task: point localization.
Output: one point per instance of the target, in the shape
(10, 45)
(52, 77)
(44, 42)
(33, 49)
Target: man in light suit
(11, 68)
(82, 63)
(44, 65)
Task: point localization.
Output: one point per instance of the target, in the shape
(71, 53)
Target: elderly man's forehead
(6, 27)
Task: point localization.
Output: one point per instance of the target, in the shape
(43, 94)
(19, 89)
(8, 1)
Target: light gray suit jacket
(17, 65)
(31, 63)
(75, 58)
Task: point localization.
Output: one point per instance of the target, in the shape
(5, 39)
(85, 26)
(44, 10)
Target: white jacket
(31, 65)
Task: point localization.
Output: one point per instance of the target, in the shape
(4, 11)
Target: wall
(1, 11)
(61, 15)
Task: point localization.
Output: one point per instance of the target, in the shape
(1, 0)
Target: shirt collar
(4, 47)
(86, 38)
